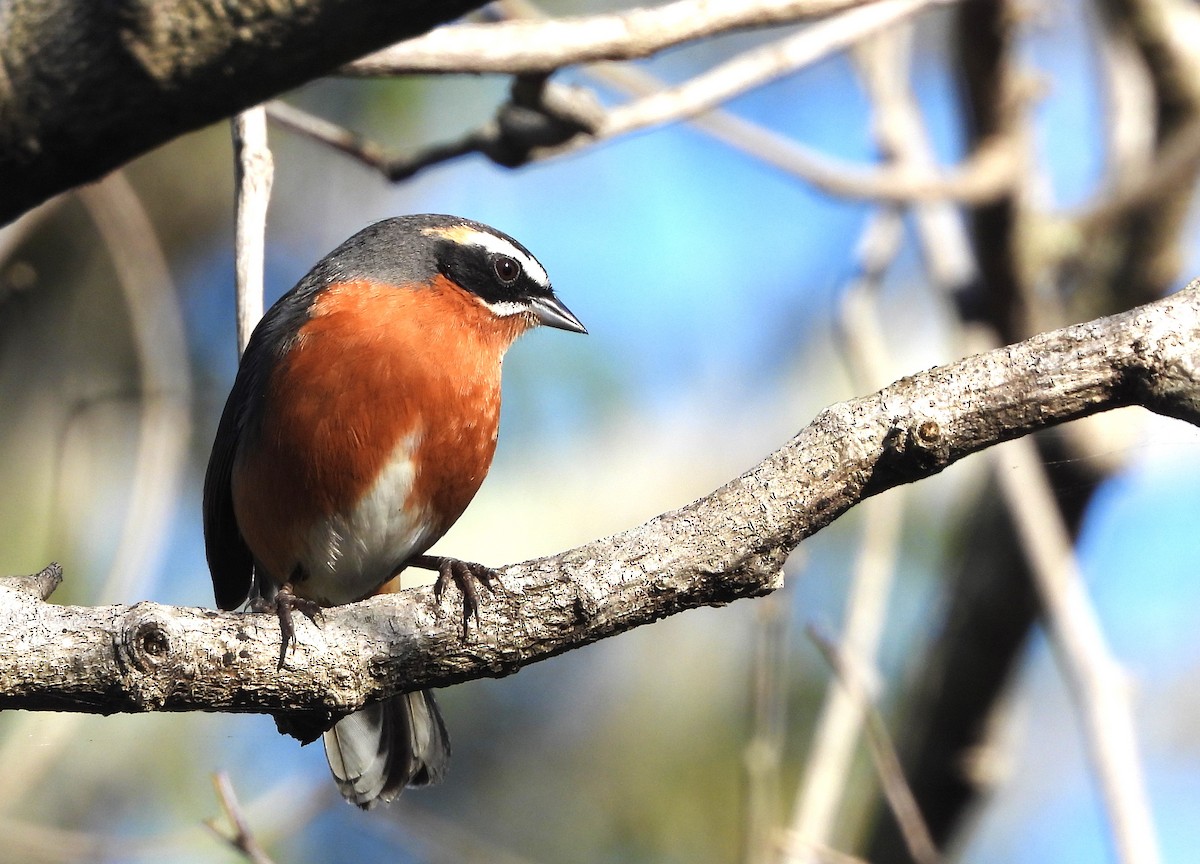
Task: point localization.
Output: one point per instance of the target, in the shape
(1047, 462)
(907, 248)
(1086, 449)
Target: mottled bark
(729, 544)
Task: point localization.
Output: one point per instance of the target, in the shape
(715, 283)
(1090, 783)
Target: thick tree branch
(729, 544)
(85, 87)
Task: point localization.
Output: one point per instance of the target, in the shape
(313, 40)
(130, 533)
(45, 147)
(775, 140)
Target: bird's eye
(507, 270)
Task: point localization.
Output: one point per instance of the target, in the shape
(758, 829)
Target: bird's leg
(467, 575)
(283, 604)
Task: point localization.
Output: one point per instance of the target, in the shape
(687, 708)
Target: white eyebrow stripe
(499, 245)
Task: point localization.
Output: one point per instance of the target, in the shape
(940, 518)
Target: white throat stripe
(505, 308)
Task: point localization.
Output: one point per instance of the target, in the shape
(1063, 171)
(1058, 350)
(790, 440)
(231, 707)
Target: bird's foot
(283, 604)
(467, 576)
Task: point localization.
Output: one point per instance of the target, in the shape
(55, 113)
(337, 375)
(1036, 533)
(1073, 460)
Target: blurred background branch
(254, 175)
(544, 45)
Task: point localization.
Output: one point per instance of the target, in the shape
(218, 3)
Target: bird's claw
(283, 604)
(467, 576)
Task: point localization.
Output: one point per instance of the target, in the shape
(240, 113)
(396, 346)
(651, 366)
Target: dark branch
(85, 87)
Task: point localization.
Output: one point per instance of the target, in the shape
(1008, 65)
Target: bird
(361, 422)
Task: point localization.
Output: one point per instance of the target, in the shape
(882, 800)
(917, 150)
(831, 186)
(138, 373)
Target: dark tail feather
(376, 752)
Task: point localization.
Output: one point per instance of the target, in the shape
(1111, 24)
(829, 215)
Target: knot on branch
(926, 442)
(146, 655)
(914, 447)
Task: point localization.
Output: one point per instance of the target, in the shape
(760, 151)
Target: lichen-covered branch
(729, 544)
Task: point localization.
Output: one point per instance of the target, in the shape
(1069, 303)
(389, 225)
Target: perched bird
(361, 423)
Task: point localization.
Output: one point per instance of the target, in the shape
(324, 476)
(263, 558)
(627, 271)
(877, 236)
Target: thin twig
(828, 767)
(447, 839)
(983, 176)
(860, 332)
(1167, 31)
(758, 66)
(285, 808)
(840, 721)
(883, 753)
(242, 839)
(394, 167)
(764, 751)
(1098, 684)
(535, 119)
(884, 63)
(1130, 106)
(987, 173)
(1132, 246)
(254, 174)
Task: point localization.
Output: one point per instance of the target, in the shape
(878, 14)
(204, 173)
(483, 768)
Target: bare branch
(1167, 31)
(242, 838)
(1097, 682)
(577, 121)
(884, 63)
(883, 753)
(1154, 214)
(759, 66)
(986, 174)
(729, 544)
(535, 120)
(1172, 169)
(827, 768)
(563, 120)
(763, 753)
(255, 171)
(525, 46)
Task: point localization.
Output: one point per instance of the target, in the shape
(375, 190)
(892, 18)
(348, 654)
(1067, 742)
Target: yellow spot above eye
(456, 233)
(465, 235)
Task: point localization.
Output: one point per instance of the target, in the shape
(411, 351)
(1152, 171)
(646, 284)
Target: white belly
(352, 553)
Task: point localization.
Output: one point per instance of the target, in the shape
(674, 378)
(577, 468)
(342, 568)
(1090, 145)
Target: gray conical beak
(551, 312)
